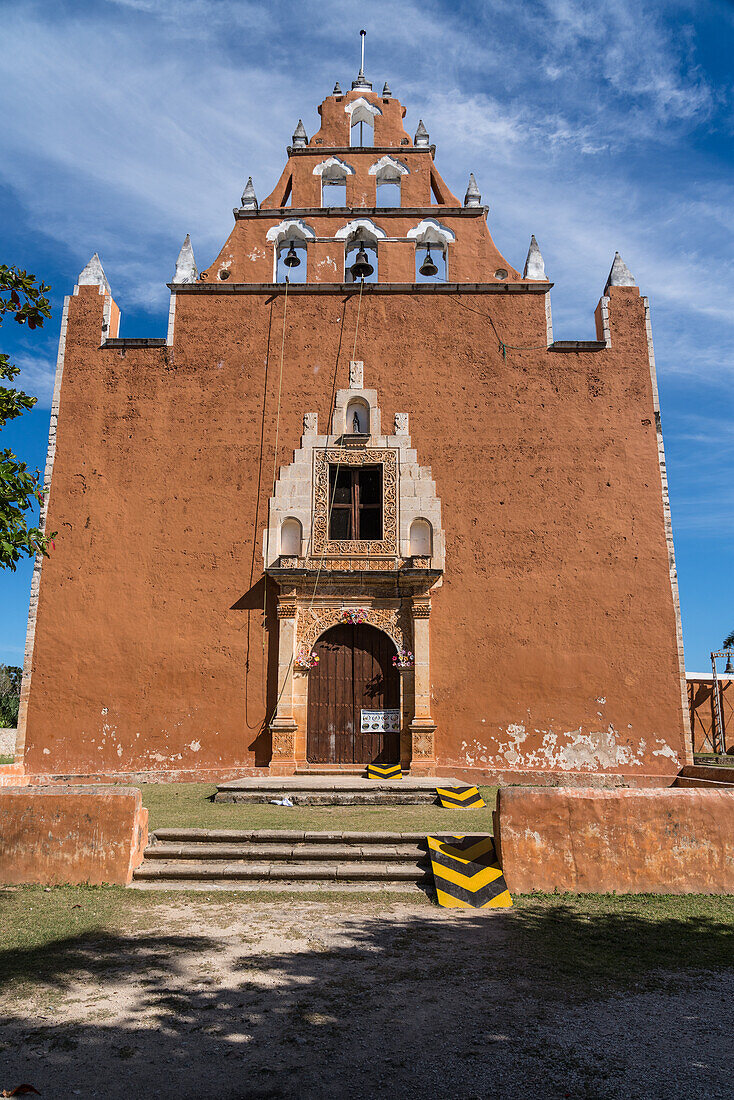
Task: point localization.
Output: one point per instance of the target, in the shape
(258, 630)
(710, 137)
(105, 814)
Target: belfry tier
(330, 198)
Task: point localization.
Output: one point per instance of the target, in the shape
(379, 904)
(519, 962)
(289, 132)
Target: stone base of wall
(673, 841)
(54, 835)
(13, 775)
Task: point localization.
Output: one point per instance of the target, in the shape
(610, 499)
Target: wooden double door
(355, 672)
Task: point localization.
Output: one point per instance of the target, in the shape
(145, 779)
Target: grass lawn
(189, 805)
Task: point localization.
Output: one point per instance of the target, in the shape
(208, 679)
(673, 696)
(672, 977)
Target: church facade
(358, 505)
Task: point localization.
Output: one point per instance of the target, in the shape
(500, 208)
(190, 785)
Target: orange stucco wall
(553, 636)
(71, 834)
(644, 841)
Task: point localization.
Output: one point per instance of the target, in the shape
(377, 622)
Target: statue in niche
(355, 424)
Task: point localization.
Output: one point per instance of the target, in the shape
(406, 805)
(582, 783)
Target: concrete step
(239, 870)
(239, 858)
(334, 790)
(333, 769)
(280, 886)
(294, 852)
(284, 836)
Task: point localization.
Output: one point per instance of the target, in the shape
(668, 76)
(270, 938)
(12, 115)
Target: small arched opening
(362, 122)
(290, 240)
(388, 173)
(333, 173)
(291, 538)
(421, 539)
(432, 242)
(357, 421)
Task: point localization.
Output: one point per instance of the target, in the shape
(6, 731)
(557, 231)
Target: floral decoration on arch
(354, 615)
(403, 659)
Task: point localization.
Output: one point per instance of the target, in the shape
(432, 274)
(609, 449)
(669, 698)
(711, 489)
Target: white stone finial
(337, 89)
(300, 137)
(620, 274)
(401, 424)
(386, 93)
(356, 374)
(249, 198)
(93, 274)
(472, 196)
(534, 265)
(185, 264)
(421, 135)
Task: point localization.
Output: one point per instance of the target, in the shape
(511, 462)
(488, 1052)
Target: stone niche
(319, 578)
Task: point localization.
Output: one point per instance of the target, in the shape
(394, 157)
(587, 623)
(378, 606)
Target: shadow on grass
(502, 1003)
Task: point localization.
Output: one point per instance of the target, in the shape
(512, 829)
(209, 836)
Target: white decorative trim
(356, 374)
(667, 520)
(388, 162)
(365, 224)
(606, 327)
(326, 166)
(93, 275)
(171, 319)
(548, 319)
(38, 563)
(362, 108)
(416, 498)
(295, 228)
(430, 231)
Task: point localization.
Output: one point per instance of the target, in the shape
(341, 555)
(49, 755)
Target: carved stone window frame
(322, 545)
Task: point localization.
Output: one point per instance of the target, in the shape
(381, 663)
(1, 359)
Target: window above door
(355, 503)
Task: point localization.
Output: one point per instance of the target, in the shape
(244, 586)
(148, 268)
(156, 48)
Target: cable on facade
(274, 711)
(502, 345)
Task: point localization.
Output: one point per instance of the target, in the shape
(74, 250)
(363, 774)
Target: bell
(428, 267)
(292, 259)
(361, 267)
(729, 670)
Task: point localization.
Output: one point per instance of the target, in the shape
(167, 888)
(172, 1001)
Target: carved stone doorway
(354, 673)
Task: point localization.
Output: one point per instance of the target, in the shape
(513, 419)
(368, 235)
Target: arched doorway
(355, 673)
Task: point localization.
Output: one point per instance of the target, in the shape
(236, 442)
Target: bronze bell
(729, 670)
(292, 259)
(428, 267)
(361, 267)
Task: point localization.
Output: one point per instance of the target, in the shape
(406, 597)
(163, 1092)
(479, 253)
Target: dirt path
(325, 1001)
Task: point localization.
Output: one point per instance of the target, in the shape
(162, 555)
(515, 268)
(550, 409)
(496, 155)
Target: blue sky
(595, 126)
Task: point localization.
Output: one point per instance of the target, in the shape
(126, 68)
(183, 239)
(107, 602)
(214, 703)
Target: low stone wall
(672, 841)
(7, 742)
(54, 835)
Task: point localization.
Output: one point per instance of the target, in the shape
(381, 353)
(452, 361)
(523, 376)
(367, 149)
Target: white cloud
(36, 377)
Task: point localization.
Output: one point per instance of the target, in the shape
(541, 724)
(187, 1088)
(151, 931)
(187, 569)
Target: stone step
(284, 836)
(334, 769)
(334, 790)
(241, 870)
(281, 886)
(166, 850)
